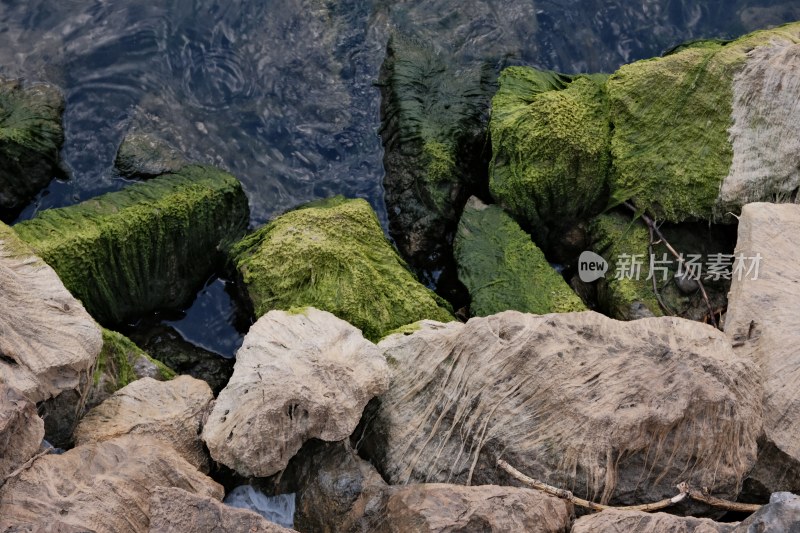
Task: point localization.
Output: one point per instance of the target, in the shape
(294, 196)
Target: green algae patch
(30, 139)
(551, 148)
(149, 246)
(503, 269)
(332, 255)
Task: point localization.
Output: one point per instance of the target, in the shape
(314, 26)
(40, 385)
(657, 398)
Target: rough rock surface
(503, 269)
(169, 411)
(146, 247)
(781, 515)
(333, 255)
(614, 411)
(144, 156)
(174, 510)
(21, 430)
(30, 138)
(297, 377)
(639, 522)
(102, 487)
(764, 325)
(48, 339)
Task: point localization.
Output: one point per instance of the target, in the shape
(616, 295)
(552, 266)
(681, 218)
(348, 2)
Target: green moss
(550, 144)
(503, 269)
(117, 362)
(146, 247)
(332, 255)
(408, 329)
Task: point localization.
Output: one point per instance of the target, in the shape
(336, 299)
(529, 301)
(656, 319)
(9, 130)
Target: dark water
(280, 92)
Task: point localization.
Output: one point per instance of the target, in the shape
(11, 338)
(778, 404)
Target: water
(277, 509)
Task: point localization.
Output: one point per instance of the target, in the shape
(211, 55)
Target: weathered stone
(144, 156)
(297, 377)
(333, 255)
(174, 510)
(169, 411)
(100, 487)
(149, 246)
(21, 430)
(613, 411)
(613, 521)
(503, 269)
(763, 324)
(781, 515)
(30, 139)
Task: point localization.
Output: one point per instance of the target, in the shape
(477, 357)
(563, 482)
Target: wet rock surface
(144, 156)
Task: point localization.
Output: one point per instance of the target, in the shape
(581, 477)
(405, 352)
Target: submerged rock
(103, 487)
(613, 411)
(297, 377)
(30, 139)
(144, 156)
(641, 522)
(332, 255)
(550, 148)
(21, 430)
(170, 411)
(174, 510)
(434, 121)
(146, 247)
(763, 324)
(503, 269)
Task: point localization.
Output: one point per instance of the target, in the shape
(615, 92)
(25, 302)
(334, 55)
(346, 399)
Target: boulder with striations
(21, 430)
(619, 521)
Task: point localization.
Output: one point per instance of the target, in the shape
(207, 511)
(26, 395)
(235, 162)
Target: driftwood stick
(718, 502)
(26, 465)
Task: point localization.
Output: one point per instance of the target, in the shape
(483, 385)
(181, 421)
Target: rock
(727, 140)
(278, 508)
(121, 362)
(169, 411)
(550, 148)
(149, 246)
(30, 139)
(101, 487)
(21, 430)
(763, 325)
(333, 255)
(639, 522)
(175, 510)
(433, 125)
(782, 514)
(613, 411)
(165, 344)
(503, 269)
(49, 343)
(297, 377)
(145, 156)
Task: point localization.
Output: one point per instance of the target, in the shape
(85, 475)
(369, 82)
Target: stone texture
(763, 324)
(144, 156)
(638, 522)
(174, 510)
(297, 376)
(21, 430)
(102, 487)
(169, 411)
(614, 411)
(781, 515)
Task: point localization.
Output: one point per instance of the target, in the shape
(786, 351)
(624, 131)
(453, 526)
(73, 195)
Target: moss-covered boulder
(332, 255)
(149, 246)
(30, 139)
(434, 119)
(503, 269)
(550, 148)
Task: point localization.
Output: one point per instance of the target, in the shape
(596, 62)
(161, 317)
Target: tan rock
(297, 377)
(169, 411)
(21, 430)
(615, 411)
(638, 522)
(763, 323)
(175, 510)
(102, 487)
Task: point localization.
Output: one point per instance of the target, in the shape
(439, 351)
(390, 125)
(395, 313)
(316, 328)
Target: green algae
(332, 255)
(503, 269)
(551, 148)
(118, 360)
(146, 247)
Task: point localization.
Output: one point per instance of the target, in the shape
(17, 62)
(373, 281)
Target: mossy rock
(149, 246)
(434, 130)
(30, 139)
(551, 148)
(503, 269)
(332, 255)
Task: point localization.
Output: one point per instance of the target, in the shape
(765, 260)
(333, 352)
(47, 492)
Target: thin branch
(26, 465)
